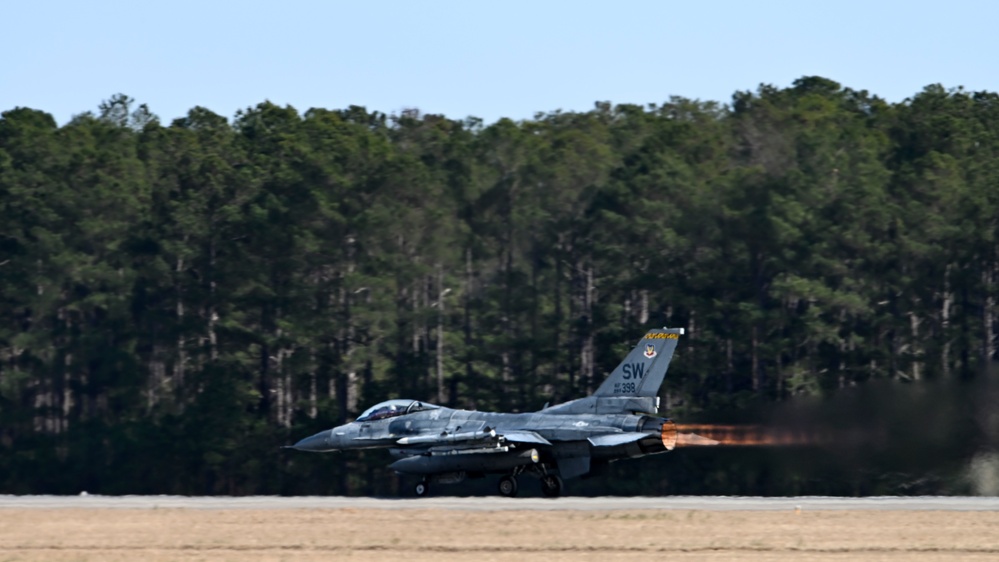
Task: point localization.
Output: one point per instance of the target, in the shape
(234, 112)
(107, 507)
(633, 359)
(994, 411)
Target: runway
(685, 503)
(454, 529)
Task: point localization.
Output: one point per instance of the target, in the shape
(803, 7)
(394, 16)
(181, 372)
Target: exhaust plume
(708, 434)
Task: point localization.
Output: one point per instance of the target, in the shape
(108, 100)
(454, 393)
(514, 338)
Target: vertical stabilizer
(643, 370)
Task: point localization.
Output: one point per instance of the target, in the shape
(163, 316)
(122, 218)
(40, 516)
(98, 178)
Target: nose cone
(335, 439)
(318, 443)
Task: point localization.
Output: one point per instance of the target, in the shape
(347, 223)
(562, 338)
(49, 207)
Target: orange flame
(669, 435)
(707, 434)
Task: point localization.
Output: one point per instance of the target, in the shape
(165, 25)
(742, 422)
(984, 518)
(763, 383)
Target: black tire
(551, 486)
(421, 489)
(508, 486)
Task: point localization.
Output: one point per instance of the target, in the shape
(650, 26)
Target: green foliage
(177, 301)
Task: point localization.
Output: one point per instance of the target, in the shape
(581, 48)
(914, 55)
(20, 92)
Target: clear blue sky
(487, 59)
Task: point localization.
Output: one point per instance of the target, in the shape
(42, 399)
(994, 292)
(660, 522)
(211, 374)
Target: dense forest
(177, 301)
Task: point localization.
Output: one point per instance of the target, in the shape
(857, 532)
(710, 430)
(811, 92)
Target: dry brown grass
(153, 535)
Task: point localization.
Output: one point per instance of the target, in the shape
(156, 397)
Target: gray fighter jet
(444, 446)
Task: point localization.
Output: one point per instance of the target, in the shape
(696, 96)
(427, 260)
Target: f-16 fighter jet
(444, 446)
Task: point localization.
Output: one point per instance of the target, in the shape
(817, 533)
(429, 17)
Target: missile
(443, 438)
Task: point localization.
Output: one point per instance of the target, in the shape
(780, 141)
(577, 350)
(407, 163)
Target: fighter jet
(444, 446)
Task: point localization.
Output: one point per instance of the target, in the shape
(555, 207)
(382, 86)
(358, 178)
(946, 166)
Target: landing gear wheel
(508, 486)
(421, 489)
(551, 486)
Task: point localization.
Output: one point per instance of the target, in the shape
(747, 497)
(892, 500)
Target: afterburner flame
(708, 434)
(668, 434)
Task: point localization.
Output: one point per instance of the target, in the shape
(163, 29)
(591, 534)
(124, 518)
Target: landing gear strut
(508, 486)
(551, 485)
(421, 488)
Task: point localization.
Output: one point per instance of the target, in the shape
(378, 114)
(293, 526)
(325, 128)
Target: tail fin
(643, 370)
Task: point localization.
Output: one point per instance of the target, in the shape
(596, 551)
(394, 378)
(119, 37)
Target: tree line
(176, 301)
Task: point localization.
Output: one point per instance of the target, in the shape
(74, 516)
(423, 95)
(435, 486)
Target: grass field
(153, 535)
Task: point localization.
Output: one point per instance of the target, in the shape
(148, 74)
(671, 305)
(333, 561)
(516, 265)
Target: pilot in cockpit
(384, 412)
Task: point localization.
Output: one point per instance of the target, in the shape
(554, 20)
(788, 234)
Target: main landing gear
(508, 486)
(551, 482)
(551, 485)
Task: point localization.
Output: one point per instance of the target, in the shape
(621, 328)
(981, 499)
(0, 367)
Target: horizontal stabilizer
(616, 439)
(525, 437)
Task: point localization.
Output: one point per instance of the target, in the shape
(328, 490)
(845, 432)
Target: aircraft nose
(317, 443)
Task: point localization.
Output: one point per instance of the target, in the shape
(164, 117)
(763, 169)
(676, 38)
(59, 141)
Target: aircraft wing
(611, 439)
(519, 436)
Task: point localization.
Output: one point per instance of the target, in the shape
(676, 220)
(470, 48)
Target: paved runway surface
(884, 503)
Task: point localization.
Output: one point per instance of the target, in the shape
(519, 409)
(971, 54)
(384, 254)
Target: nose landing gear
(421, 488)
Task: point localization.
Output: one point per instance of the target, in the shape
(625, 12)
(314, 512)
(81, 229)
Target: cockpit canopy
(393, 408)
